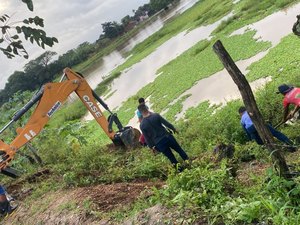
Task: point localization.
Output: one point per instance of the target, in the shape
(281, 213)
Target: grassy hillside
(83, 167)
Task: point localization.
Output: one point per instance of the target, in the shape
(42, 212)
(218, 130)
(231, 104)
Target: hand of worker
(154, 150)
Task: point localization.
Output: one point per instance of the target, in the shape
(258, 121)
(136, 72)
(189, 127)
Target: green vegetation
(179, 24)
(249, 11)
(203, 13)
(280, 63)
(236, 191)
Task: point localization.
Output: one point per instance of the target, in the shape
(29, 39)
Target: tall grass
(77, 156)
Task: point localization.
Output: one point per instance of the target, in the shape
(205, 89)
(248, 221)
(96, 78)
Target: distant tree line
(44, 68)
(113, 29)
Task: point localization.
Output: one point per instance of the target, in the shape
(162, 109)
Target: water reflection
(150, 29)
(108, 63)
(142, 73)
(115, 59)
(219, 88)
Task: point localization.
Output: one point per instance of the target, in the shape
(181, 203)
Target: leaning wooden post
(250, 104)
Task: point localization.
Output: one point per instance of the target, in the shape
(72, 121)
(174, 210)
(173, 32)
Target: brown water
(115, 59)
(109, 63)
(219, 88)
(274, 27)
(144, 72)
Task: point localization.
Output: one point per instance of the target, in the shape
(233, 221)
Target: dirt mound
(109, 197)
(72, 206)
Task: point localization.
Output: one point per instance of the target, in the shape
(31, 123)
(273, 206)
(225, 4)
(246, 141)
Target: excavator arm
(49, 99)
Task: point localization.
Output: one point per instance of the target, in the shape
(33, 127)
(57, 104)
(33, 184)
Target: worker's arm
(167, 123)
(139, 116)
(285, 113)
(291, 115)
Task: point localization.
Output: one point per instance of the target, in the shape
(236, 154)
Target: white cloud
(71, 21)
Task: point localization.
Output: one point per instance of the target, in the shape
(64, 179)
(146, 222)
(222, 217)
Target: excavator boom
(49, 99)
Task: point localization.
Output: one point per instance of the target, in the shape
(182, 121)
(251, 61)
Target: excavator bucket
(128, 136)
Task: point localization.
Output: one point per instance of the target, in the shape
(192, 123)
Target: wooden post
(250, 104)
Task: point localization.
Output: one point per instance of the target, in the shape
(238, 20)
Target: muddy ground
(94, 204)
(82, 205)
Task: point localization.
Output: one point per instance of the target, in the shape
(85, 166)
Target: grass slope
(214, 192)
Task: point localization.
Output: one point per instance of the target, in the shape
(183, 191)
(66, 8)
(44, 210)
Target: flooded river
(274, 27)
(218, 88)
(115, 59)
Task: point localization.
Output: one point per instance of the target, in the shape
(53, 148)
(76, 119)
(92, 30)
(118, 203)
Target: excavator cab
(49, 99)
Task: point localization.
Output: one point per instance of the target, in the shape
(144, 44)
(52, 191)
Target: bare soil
(80, 205)
(248, 169)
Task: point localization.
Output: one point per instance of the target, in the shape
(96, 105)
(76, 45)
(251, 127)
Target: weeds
(77, 154)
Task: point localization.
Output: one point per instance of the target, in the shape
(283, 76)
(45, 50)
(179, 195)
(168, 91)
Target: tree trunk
(251, 107)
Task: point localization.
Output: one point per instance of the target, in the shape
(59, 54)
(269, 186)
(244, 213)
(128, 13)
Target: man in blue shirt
(252, 133)
(138, 113)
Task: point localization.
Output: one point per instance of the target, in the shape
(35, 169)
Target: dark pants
(165, 146)
(280, 136)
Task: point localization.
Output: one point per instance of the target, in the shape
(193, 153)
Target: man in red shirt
(291, 96)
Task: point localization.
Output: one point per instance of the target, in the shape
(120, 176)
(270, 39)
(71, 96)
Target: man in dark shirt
(157, 137)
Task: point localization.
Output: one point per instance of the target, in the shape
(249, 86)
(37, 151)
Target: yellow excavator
(49, 99)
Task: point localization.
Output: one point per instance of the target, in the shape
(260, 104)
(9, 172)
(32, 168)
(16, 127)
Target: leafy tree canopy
(10, 41)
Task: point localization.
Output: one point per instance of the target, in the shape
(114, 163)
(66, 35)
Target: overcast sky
(71, 21)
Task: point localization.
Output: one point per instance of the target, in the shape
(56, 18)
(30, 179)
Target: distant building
(144, 17)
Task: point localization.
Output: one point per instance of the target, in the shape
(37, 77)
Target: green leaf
(9, 49)
(19, 30)
(29, 4)
(38, 21)
(26, 21)
(31, 39)
(15, 51)
(26, 32)
(54, 40)
(15, 37)
(4, 28)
